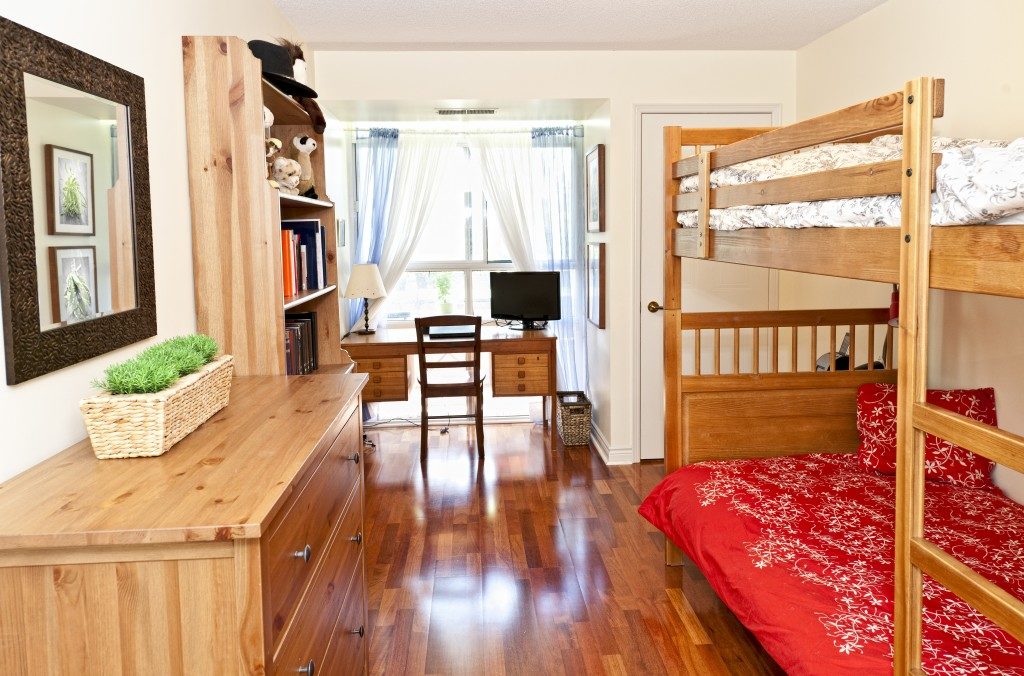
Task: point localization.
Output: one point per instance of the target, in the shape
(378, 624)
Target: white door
(707, 286)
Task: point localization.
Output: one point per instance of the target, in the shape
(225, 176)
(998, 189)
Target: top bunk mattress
(978, 182)
(801, 550)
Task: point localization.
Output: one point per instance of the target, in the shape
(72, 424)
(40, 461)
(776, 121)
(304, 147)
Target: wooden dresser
(238, 551)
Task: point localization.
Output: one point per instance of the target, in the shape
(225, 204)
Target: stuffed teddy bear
(302, 148)
(287, 173)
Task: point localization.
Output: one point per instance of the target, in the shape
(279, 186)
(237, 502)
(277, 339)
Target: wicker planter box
(146, 425)
(574, 418)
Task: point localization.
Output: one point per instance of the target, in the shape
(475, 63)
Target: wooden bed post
(672, 329)
(913, 366)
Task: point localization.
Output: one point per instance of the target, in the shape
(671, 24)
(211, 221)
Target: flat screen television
(527, 298)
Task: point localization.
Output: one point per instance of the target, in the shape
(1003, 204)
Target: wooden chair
(474, 387)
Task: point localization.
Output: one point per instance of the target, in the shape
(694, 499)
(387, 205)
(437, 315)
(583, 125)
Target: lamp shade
(365, 282)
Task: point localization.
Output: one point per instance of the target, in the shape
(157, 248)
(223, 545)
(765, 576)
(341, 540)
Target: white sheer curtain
(506, 169)
(534, 181)
(421, 163)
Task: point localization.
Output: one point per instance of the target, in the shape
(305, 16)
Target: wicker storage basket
(574, 418)
(145, 425)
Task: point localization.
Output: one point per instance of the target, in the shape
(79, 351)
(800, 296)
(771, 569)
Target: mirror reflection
(81, 202)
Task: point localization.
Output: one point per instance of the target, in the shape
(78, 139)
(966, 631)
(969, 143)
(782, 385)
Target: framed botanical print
(595, 284)
(70, 203)
(72, 283)
(595, 189)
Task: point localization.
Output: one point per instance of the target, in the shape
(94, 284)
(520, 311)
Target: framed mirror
(76, 251)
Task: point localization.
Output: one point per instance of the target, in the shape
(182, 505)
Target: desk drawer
(514, 387)
(381, 364)
(323, 604)
(386, 379)
(521, 373)
(503, 361)
(385, 392)
(307, 522)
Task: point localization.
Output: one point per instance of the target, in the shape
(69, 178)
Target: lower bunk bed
(800, 548)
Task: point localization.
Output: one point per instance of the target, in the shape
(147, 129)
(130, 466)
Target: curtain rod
(474, 132)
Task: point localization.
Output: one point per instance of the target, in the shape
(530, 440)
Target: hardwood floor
(530, 562)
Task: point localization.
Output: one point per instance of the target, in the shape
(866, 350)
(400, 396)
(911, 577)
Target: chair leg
(480, 425)
(423, 429)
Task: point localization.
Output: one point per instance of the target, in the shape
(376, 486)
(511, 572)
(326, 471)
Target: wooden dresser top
(224, 481)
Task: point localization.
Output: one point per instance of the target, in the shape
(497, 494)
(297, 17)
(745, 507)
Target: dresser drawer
(502, 361)
(347, 652)
(381, 364)
(297, 539)
(315, 620)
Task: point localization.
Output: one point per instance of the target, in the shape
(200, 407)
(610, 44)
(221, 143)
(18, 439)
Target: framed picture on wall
(595, 284)
(72, 283)
(70, 206)
(595, 189)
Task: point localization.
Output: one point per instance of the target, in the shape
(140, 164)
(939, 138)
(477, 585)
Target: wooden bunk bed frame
(716, 416)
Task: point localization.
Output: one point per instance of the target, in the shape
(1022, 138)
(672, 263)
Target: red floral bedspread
(801, 550)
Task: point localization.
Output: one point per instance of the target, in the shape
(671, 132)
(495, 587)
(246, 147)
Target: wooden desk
(523, 364)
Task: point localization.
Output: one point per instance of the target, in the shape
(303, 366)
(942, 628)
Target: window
(460, 246)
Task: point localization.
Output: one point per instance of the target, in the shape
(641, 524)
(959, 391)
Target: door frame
(639, 110)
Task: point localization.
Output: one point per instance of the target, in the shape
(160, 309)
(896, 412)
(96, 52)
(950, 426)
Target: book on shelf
(304, 243)
(300, 348)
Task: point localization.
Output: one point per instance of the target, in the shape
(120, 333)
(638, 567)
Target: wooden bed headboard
(749, 385)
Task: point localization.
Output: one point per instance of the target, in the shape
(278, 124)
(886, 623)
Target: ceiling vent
(466, 111)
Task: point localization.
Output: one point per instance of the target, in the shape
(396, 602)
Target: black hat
(277, 68)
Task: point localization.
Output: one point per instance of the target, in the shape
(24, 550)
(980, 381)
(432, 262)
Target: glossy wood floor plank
(530, 562)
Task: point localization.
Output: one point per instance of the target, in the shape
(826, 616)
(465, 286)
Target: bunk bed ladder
(915, 555)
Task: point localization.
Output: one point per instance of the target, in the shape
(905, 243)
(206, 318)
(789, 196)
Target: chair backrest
(468, 346)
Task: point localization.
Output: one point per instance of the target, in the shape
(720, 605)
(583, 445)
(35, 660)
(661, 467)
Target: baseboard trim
(610, 456)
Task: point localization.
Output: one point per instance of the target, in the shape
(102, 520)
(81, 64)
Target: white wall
(597, 129)
(40, 417)
(976, 340)
(626, 79)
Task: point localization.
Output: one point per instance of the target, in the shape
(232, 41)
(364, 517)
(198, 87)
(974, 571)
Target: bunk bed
(795, 427)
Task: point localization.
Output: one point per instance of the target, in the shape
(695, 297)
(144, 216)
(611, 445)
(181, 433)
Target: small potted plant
(154, 400)
(443, 282)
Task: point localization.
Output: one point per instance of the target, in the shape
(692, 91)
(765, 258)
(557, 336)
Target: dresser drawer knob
(306, 553)
(521, 387)
(358, 631)
(521, 360)
(354, 458)
(357, 538)
(522, 374)
(309, 669)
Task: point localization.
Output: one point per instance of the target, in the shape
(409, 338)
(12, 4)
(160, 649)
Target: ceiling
(566, 24)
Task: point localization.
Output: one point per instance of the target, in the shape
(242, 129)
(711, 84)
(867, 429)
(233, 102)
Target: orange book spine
(287, 265)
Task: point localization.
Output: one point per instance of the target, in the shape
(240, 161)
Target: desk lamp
(365, 283)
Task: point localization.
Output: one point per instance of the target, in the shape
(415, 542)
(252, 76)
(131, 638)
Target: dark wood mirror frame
(31, 352)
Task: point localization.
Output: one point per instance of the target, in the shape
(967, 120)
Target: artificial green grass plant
(160, 366)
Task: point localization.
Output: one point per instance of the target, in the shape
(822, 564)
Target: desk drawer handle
(521, 360)
(309, 669)
(377, 379)
(357, 538)
(522, 374)
(377, 392)
(306, 553)
(376, 366)
(359, 631)
(521, 387)
(354, 458)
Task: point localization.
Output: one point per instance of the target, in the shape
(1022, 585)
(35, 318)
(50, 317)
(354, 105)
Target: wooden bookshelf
(236, 215)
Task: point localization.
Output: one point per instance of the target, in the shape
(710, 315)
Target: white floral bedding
(978, 182)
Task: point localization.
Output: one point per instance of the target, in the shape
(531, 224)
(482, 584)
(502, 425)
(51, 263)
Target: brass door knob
(654, 306)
